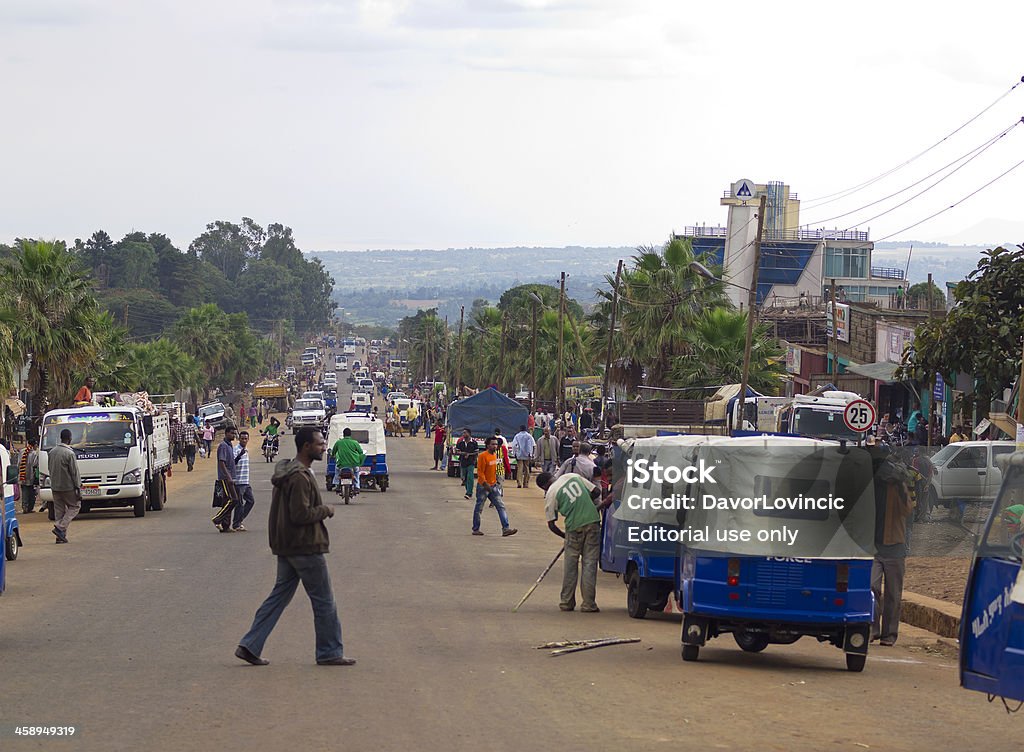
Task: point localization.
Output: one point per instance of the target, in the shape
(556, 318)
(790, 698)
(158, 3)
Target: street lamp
(703, 271)
(537, 302)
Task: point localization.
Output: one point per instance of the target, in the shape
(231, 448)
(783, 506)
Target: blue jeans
(355, 477)
(311, 570)
(483, 495)
(245, 505)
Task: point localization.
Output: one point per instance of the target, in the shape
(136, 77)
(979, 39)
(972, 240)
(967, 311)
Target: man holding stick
(579, 502)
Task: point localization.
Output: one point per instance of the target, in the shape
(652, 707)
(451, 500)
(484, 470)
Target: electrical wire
(969, 156)
(953, 205)
(822, 200)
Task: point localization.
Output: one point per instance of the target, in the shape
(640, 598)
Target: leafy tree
(982, 334)
(149, 313)
(203, 333)
(715, 346)
(229, 247)
(919, 294)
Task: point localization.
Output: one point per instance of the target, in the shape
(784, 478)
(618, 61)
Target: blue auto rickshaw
(992, 621)
(9, 527)
(775, 591)
(630, 544)
(369, 432)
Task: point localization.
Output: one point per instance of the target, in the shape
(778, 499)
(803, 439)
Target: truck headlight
(135, 476)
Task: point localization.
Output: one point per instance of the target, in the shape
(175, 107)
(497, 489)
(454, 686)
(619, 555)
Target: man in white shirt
(523, 447)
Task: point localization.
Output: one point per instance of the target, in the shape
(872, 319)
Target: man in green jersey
(348, 454)
(579, 502)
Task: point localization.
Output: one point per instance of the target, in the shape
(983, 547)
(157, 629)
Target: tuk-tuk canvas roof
(485, 411)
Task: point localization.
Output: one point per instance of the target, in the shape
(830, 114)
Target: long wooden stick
(571, 643)
(542, 576)
(595, 644)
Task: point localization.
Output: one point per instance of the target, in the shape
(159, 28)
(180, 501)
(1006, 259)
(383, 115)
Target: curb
(938, 617)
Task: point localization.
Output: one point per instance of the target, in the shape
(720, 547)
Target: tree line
(674, 328)
(139, 314)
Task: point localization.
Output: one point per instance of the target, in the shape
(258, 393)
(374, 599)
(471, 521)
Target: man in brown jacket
(299, 539)
(893, 508)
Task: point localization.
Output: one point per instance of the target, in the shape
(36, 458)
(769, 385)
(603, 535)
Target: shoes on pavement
(563, 607)
(508, 531)
(339, 661)
(467, 496)
(239, 529)
(62, 537)
(250, 657)
(225, 529)
(594, 610)
(887, 642)
(60, 540)
(478, 532)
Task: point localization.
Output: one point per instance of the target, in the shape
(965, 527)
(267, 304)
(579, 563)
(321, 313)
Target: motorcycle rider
(271, 435)
(348, 455)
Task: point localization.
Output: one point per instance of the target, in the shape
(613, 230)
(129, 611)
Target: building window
(846, 262)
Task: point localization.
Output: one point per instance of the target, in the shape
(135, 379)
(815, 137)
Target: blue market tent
(485, 411)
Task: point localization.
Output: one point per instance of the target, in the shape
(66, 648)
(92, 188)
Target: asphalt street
(128, 634)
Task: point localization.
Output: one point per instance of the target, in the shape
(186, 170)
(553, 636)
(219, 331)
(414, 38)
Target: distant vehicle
(330, 377)
(309, 412)
(340, 363)
(363, 402)
(349, 349)
(308, 360)
(289, 371)
(370, 434)
(365, 384)
(316, 395)
(392, 396)
(212, 413)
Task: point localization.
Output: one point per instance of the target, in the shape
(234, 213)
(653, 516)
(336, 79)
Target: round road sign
(859, 415)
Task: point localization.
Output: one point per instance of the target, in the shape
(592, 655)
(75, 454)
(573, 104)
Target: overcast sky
(448, 123)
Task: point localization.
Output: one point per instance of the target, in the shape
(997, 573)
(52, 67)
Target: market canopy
(883, 370)
(485, 411)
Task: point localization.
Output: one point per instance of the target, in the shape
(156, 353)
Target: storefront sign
(939, 393)
(891, 342)
(843, 315)
(793, 359)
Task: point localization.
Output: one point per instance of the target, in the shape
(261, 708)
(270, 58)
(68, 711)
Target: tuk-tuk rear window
(1007, 520)
(360, 435)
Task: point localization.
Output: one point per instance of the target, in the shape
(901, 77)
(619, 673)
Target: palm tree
(57, 322)
(660, 297)
(203, 333)
(714, 357)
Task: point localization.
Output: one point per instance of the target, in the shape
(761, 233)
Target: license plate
(90, 490)
(345, 482)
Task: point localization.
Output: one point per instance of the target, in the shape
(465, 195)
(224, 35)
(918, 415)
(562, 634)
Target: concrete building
(797, 263)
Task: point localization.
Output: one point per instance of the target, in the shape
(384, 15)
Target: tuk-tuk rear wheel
(11, 547)
(690, 652)
(636, 608)
(855, 661)
(751, 642)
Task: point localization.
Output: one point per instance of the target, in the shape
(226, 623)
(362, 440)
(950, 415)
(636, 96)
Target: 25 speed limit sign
(859, 415)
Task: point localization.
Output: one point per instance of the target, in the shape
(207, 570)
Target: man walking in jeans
(246, 500)
(299, 539)
(579, 502)
(190, 441)
(487, 488)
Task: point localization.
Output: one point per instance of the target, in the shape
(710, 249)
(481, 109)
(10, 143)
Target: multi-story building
(798, 263)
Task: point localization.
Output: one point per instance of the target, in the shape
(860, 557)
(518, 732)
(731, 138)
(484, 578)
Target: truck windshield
(308, 405)
(102, 436)
(822, 424)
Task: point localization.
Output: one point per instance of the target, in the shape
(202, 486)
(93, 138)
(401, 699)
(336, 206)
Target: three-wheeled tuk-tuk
(992, 622)
(630, 542)
(369, 432)
(9, 526)
(773, 556)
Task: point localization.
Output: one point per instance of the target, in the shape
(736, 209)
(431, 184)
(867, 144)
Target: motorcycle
(270, 447)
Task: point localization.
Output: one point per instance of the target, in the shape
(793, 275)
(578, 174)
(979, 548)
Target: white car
(309, 412)
(392, 396)
(315, 395)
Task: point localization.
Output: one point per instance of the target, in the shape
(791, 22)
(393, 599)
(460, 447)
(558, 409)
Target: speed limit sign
(859, 415)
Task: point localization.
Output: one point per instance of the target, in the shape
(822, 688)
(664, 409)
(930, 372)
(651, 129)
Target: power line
(822, 200)
(969, 156)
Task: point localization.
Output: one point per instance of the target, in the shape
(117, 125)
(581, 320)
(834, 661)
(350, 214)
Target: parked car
(967, 472)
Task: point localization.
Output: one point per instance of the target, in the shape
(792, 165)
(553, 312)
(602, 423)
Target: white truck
(309, 412)
(123, 454)
(819, 417)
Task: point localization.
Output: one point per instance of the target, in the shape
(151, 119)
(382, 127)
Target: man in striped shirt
(189, 441)
(242, 482)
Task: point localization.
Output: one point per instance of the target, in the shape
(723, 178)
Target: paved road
(128, 633)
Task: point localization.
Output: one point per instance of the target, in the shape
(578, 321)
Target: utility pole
(1020, 403)
(933, 418)
(447, 354)
(560, 384)
(611, 333)
(500, 381)
(835, 331)
(533, 369)
(751, 310)
(458, 362)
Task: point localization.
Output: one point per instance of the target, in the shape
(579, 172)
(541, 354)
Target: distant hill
(393, 283)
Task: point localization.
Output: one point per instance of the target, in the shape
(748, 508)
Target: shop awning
(880, 371)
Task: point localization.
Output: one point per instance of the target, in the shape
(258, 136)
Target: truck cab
(819, 417)
(122, 453)
(968, 471)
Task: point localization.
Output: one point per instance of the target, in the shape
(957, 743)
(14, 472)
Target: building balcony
(702, 231)
(883, 272)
